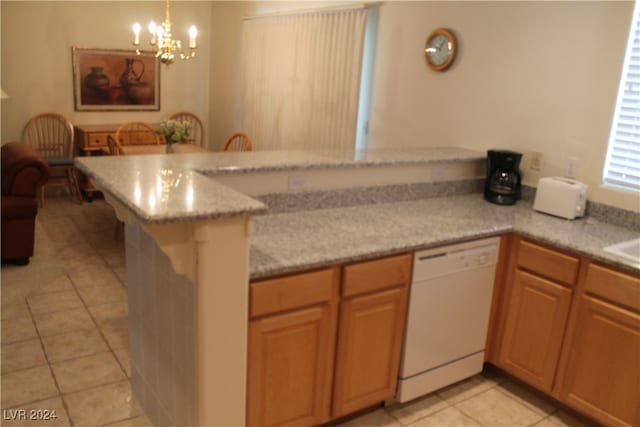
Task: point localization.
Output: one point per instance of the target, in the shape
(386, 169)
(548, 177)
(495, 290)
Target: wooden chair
(51, 135)
(196, 134)
(239, 141)
(114, 145)
(137, 133)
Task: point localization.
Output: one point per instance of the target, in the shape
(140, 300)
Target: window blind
(301, 78)
(622, 167)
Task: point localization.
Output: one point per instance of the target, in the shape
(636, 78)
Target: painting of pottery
(115, 80)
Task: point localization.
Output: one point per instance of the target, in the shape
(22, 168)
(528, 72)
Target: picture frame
(115, 80)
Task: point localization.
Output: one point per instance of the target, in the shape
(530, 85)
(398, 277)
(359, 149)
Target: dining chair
(137, 133)
(114, 145)
(196, 133)
(51, 135)
(239, 141)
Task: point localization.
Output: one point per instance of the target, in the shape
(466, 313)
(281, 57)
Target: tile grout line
(426, 396)
(75, 286)
(95, 322)
(39, 337)
(96, 251)
(102, 335)
(555, 409)
(53, 376)
(449, 406)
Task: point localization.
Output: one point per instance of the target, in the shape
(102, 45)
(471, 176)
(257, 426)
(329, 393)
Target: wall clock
(440, 49)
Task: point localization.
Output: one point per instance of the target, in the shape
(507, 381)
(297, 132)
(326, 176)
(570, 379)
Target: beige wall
(36, 57)
(226, 24)
(530, 76)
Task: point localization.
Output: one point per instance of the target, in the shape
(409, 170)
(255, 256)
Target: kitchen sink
(629, 250)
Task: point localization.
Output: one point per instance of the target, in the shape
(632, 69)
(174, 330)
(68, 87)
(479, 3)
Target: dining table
(160, 149)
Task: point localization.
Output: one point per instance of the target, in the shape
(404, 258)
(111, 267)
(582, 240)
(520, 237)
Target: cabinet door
(537, 313)
(368, 355)
(290, 367)
(602, 373)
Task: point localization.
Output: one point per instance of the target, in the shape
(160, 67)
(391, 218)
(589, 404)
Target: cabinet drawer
(97, 139)
(286, 293)
(548, 263)
(374, 275)
(617, 287)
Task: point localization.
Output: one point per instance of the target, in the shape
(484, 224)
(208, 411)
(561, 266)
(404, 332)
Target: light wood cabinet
(601, 364)
(291, 354)
(297, 375)
(291, 349)
(570, 328)
(537, 314)
(369, 345)
(371, 330)
(537, 299)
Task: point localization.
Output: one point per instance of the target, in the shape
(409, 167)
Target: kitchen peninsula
(199, 227)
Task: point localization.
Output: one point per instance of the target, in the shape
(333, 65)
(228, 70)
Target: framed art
(115, 80)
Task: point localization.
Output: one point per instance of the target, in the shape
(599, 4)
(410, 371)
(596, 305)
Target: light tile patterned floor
(65, 341)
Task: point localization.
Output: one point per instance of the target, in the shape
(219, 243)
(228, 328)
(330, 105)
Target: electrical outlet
(298, 182)
(536, 161)
(572, 165)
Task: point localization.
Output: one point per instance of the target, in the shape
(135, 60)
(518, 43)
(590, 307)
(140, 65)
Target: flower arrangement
(174, 131)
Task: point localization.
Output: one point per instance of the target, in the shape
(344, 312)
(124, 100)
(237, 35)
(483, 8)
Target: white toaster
(563, 197)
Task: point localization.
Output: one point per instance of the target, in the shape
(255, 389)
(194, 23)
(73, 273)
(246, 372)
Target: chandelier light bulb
(136, 34)
(193, 33)
(163, 45)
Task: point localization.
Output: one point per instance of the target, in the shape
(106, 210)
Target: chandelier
(162, 42)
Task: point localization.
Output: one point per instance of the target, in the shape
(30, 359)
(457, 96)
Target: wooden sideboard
(91, 140)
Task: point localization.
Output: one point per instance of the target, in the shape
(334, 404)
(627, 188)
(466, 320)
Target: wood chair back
(137, 133)
(196, 133)
(50, 134)
(114, 145)
(239, 141)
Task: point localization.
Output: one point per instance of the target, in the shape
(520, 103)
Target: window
(622, 166)
(302, 78)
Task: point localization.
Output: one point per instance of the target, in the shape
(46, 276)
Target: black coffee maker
(503, 183)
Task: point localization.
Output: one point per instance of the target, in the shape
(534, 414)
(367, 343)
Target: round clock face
(440, 49)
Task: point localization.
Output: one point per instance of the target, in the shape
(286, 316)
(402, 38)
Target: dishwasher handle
(429, 257)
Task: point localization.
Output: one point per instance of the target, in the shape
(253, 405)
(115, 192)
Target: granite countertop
(290, 242)
(167, 188)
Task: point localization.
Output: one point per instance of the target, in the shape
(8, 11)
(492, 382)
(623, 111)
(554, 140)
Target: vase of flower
(174, 132)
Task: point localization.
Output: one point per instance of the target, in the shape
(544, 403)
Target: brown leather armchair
(24, 172)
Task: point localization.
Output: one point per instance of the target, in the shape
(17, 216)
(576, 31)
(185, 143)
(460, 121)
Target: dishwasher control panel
(464, 256)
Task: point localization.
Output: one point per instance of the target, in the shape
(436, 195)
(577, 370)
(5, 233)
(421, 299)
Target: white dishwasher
(449, 305)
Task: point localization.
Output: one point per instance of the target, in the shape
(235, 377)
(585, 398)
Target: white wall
(529, 76)
(36, 57)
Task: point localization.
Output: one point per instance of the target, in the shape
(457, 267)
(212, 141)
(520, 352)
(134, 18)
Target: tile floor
(65, 342)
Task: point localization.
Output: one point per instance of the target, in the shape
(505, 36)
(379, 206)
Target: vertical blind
(301, 79)
(622, 167)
